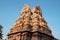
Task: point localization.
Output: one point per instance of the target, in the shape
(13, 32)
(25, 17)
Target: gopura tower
(30, 26)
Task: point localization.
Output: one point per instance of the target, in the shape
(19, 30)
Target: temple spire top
(37, 7)
(25, 8)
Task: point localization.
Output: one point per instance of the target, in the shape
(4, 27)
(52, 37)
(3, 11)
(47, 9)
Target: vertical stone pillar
(36, 36)
(26, 36)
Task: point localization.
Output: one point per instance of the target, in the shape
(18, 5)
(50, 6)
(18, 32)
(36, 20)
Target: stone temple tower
(30, 25)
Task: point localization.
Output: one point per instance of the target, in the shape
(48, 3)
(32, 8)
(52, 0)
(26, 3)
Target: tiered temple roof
(31, 20)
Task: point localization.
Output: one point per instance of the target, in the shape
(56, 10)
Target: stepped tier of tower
(31, 20)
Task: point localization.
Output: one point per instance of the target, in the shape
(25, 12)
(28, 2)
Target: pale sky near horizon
(10, 11)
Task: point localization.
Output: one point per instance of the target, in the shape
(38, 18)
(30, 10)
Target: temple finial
(26, 7)
(37, 7)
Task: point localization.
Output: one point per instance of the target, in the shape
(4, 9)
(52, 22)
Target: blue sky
(10, 11)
